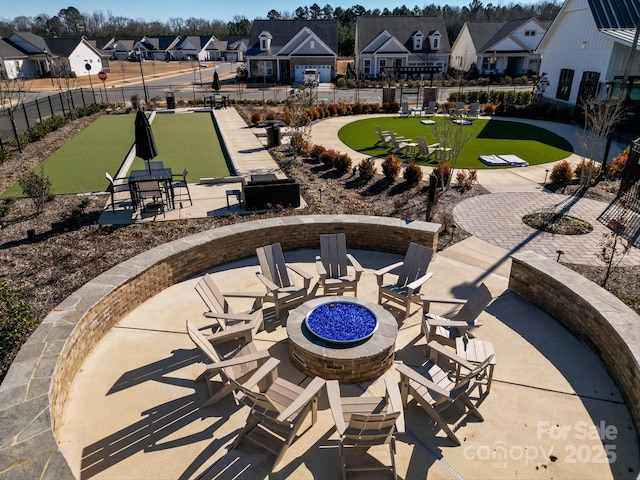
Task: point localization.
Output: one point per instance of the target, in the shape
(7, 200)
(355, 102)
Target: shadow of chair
(182, 183)
(411, 275)
(116, 187)
(281, 290)
(438, 385)
(333, 266)
(232, 356)
(277, 409)
(220, 309)
(365, 422)
(445, 330)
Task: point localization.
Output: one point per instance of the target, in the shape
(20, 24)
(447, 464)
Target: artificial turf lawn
(533, 144)
(188, 140)
(80, 164)
(183, 140)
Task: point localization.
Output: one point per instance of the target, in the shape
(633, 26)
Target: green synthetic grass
(80, 164)
(533, 144)
(188, 140)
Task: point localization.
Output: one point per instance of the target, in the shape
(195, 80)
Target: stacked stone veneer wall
(605, 324)
(34, 392)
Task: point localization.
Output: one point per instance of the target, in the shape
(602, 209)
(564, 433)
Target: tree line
(71, 22)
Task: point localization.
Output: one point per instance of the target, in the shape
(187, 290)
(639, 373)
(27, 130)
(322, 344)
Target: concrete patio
(553, 412)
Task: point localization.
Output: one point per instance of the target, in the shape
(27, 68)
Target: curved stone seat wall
(603, 322)
(34, 392)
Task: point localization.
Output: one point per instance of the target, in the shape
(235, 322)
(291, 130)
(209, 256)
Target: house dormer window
(434, 40)
(418, 38)
(265, 41)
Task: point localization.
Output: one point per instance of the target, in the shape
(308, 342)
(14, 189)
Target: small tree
(65, 79)
(12, 97)
(37, 188)
(600, 119)
(452, 136)
(296, 116)
(613, 247)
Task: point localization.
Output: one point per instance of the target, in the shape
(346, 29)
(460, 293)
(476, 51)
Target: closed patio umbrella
(216, 81)
(145, 143)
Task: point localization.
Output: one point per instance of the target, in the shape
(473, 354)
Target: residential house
(281, 50)
(498, 47)
(11, 61)
(158, 48)
(588, 48)
(409, 45)
(196, 47)
(71, 53)
(123, 48)
(236, 48)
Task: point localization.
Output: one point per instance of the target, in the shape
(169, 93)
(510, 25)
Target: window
(564, 84)
(529, 33)
(488, 64)
(263, 44)
(383, 63)
(312, 44)
(367, 66)
(435, 43)
(398, 62)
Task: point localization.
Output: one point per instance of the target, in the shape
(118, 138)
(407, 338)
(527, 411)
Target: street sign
(102, 76)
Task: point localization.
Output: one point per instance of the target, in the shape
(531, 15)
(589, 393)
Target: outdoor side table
(476, 351)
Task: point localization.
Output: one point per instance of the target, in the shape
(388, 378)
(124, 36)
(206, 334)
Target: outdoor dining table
(162, 175)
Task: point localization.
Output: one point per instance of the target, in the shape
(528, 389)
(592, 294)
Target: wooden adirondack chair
(367, 421)
(446, 330)
(332, 265)
(277, 410)
(220, 310)
(384, 137)
(281, 290)
(411, 275)
(435, 386)
(232, 356)
(427, 151)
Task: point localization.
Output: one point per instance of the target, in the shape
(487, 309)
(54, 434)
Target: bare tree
(600, 119)
(64, 78)
(613, 246)
(454, 137)
(295, 115)
(12, 97)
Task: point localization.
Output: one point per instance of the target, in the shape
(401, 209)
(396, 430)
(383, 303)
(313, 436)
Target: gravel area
(70, 248)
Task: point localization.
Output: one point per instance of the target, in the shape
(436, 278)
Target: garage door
(325, 72)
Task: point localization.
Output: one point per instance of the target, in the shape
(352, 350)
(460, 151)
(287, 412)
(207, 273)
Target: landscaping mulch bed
(69, 248)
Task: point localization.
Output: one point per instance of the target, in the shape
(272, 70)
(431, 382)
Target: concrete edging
(34, 392)
(604, 323)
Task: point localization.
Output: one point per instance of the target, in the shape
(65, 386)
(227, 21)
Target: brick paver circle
(497, 218)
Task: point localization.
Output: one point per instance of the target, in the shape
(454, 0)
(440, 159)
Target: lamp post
(46, 54)
(144, 86)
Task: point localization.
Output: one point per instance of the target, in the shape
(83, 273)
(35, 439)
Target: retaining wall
(603, 322)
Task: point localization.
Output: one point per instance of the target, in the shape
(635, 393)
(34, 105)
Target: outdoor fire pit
(339, 338)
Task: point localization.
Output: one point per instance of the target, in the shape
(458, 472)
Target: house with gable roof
(587, 49)
(499, 47)
(400, 42)
(73, 53)
(196, 47)
(281, 50)
(11, 61)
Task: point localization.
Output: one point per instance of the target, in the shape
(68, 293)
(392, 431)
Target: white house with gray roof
(499, 47)
(587, 49)
(402, 43)
(281, 50)
(11, 61)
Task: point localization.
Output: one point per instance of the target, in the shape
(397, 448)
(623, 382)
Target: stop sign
(102, 76)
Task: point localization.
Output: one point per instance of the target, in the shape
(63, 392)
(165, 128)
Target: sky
(212, 10)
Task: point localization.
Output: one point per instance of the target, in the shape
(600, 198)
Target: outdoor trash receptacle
(171, 101)
(273, 136)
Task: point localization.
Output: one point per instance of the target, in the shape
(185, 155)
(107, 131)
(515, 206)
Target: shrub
(615, 168)
(473, 176)
(298, 144)
(5, 155)
(37, 188)
(367, 169)
(327, 157)
(584, 166)
(256, 119)
(391, 166)
(270, 116)
(316, 152)
(342, 162)
(442, 172)
(16, 320)
(561, 173)
(461, 179)
(5, 205)
(135, 101)
(413, 173)
(391, 107)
